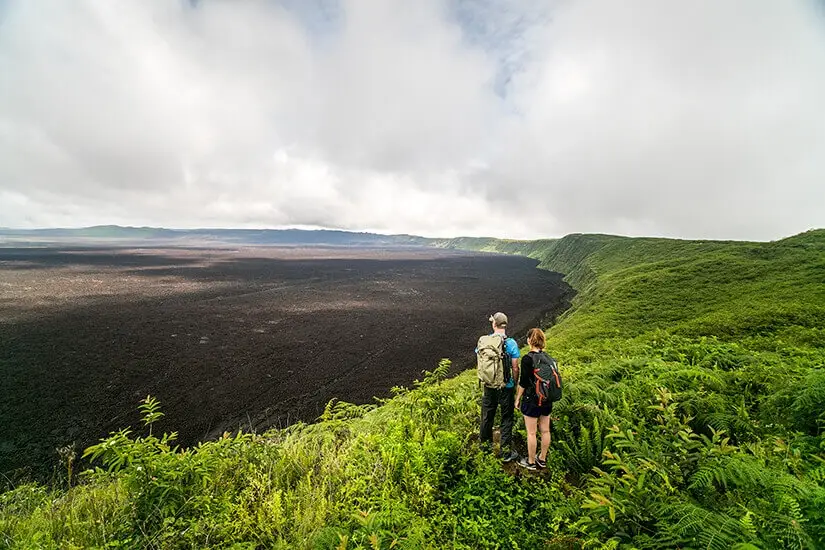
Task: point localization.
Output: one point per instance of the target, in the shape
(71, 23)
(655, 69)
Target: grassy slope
(628, 286)
(692, 417)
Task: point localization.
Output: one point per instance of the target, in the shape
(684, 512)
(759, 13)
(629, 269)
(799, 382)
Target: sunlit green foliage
(693, 417)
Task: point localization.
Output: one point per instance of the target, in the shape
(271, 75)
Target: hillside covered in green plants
(693, 417)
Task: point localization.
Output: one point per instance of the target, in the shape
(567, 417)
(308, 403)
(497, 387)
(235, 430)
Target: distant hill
(296, 237)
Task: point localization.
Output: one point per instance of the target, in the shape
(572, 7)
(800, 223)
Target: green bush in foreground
(702, 427)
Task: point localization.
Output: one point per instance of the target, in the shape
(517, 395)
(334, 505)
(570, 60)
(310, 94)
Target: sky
(504, 118)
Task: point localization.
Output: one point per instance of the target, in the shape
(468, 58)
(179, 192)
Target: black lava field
(228, 338)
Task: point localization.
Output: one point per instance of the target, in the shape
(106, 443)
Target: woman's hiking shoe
(509, 456)
(541, 463)
(524, 464)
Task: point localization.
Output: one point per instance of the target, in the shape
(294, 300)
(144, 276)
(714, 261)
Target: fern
(581, 454)
(818, 475)
(687, 524)
(731, 422)
(435, 376)
(748, 525)
(342, 410)
(693, 377)
(593, 393)
(808, 408)
(723, 473)
(784, 530)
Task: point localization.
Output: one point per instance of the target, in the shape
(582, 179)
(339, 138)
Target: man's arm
(514, 353)
(514, 363)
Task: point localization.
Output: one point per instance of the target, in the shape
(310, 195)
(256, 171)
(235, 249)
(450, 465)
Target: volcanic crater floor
(233, 337)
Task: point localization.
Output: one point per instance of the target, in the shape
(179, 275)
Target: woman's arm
(524, 377)
(518, 396)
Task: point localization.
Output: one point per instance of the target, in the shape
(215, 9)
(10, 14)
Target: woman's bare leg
(544, 426)
(530, 424)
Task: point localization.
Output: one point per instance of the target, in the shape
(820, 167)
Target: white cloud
(678, 118)
(520, 118)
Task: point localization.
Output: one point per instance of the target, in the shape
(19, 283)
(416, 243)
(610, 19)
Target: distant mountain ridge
(536, 248)
(229, 236)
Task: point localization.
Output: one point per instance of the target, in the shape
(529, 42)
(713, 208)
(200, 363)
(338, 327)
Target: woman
(535, 417)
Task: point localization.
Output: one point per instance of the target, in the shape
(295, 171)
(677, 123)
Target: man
(503, 396)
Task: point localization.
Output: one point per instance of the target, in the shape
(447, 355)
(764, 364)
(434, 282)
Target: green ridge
(628, 286)
(693, 417)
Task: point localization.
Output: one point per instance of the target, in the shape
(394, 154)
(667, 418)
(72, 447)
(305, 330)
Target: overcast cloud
(700, 119)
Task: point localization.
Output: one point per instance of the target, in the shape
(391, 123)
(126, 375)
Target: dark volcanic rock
(228, 338)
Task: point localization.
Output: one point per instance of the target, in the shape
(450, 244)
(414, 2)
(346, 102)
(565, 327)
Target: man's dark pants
(492, 398)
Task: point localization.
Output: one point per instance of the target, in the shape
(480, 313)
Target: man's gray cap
(499, 319)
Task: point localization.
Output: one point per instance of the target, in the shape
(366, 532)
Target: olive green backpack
(490, 356)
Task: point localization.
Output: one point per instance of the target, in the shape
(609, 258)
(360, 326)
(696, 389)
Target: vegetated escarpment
(692, 417)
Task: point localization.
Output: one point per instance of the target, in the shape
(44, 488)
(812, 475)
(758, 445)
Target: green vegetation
(693, 417)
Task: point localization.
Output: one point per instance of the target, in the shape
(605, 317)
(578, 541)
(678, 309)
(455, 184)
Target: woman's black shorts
(534, 411)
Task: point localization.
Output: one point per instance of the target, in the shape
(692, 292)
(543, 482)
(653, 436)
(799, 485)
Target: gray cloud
(520, 118)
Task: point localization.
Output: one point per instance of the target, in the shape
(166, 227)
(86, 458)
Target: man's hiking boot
(541, 463)
(509, 456)
(524, 464)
